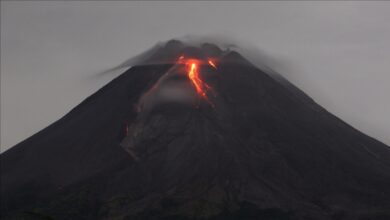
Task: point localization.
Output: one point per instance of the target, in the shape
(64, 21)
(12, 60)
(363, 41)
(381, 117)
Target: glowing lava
(212, 64)
(194, 75)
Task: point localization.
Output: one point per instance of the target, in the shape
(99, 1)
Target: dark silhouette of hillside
(147, 146)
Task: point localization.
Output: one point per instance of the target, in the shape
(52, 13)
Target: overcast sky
(337, 52)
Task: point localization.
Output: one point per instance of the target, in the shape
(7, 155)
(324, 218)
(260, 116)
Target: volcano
(197, 132)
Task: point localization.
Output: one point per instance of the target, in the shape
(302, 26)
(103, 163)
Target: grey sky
(337, 52)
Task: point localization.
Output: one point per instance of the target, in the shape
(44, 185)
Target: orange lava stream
(193, 74)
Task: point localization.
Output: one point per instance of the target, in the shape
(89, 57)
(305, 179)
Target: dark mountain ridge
(146, 146)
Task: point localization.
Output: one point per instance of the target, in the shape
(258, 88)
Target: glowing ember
(212, 64)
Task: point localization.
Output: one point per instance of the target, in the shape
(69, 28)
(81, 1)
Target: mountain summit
(197, 132)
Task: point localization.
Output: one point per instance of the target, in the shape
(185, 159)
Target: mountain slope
(147, 146)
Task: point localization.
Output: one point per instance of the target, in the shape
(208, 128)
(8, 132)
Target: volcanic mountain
(196, 132)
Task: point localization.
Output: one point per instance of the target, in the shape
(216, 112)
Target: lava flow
(212, 64)
(194, 75)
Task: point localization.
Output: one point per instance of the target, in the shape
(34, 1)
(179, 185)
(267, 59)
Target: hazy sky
(337, 52)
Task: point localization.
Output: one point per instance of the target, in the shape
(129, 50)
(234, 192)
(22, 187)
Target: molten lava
(212, 64)
(193, 73)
